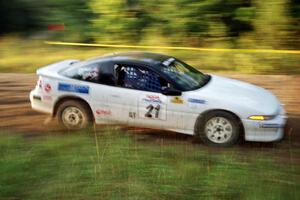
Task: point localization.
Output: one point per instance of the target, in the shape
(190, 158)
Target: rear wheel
(218, 128)
(74, 115)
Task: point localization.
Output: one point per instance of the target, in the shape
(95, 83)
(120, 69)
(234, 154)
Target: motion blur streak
(174, 48)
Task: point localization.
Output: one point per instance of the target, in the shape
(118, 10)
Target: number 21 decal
(150, 108)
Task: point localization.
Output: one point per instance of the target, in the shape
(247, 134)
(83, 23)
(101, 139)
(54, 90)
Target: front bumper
(265, 131)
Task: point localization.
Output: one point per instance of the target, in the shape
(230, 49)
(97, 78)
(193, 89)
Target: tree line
(233, 23)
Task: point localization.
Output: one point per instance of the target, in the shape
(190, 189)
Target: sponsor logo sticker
(152, 99)
(199, 101)
(177, 100)
(83, 89)
(47, 88)
(168, 62)
(103, 112)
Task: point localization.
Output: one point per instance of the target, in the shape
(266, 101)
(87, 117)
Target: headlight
(261, 117)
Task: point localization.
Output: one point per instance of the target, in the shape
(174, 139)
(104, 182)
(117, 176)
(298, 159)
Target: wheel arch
(67, 98)
(203, 114)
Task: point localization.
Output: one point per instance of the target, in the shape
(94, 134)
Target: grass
(27, 55)
(110, 164)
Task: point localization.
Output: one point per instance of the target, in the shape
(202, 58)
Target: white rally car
(159, 92)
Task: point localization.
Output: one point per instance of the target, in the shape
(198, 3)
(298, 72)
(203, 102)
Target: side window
(85, 73)
(139, 78)
(100, 72)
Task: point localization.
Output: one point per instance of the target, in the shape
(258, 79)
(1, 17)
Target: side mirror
(171, 92)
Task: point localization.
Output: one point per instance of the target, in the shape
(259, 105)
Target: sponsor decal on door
(177, 100)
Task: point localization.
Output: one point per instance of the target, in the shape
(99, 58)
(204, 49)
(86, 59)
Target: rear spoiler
(55, 67)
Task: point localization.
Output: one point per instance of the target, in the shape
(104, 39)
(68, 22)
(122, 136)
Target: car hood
(238, 94)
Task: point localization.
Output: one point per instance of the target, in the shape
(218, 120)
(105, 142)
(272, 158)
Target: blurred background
(38, 161)
(227, 24)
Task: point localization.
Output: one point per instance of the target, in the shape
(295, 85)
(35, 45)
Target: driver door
(152, 106)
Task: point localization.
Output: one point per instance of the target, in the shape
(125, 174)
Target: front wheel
(74, 115)
(218, 129)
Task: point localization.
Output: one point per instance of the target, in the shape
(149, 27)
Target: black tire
(76, 109)
(213, 135)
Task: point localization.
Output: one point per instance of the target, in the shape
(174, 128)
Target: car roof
(144, 58)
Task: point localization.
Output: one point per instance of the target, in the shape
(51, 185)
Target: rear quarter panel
(55, 88)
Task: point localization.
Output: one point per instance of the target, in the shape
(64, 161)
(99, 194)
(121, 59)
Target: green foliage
(117, 21)
(184, 22)
(17, 16)
(294, 12)
(114, 165)
(178, 19)
(34, 16)
(229, 24)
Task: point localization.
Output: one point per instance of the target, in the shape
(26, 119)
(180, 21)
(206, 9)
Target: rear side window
(85, 73)
(99, 72)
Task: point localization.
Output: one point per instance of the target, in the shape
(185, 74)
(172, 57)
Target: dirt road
(16, 114)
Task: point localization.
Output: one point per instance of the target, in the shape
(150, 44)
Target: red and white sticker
(47, 88)
(152, 99)
(103, 112)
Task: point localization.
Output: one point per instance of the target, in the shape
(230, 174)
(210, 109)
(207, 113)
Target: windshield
(185, 76)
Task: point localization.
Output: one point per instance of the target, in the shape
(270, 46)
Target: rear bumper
(38, 102)
(265, 131)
